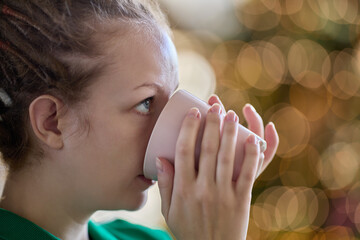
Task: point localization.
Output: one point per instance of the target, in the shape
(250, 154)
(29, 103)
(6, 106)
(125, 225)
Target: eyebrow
(153, 85)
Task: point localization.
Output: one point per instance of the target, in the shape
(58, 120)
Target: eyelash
(151, 100)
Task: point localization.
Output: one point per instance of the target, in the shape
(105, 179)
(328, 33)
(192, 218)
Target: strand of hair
(10, 12)
(12, 22)
(7, 77)
(6, 47)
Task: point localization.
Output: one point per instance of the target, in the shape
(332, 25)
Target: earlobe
(44, 114)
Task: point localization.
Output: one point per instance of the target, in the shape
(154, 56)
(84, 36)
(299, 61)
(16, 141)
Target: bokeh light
(313, 103)
(339, 166)
(255, 15)
(293, 129)
(307, 19)
(223, 60)
(261, 65)
(298, 63)
(308, 63)
(196, 74)
(297, 209)
(345, 82)
(286, 7)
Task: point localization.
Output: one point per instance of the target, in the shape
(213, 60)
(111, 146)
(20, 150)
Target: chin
(135, 202)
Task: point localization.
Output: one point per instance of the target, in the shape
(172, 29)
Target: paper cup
(164, 136)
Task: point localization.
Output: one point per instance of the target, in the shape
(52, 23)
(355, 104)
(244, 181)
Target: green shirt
(14, 227)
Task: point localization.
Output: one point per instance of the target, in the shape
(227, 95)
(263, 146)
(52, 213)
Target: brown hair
(39, 40)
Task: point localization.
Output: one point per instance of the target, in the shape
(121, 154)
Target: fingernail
(251, 139)
(231, 116)
(194, 113)
(215, 109)
(251, 107)
(215, 96)
(159, 166)
(271, 124)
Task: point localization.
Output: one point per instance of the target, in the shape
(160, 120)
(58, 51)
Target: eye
(144, 106)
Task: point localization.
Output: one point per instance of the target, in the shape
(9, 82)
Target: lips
(146, 180)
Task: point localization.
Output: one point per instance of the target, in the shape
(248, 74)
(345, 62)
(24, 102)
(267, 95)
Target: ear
(44, 114)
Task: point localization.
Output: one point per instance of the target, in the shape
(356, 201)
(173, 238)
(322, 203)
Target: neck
(44, 201)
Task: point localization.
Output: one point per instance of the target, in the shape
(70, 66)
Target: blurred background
(298, 63)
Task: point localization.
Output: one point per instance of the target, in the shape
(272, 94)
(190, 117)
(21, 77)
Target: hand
(255, 124)
(207, 204)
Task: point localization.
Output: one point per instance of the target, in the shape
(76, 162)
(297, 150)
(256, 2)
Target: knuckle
(248, 177)
(183, 148)
(226, 160)
(209, 146)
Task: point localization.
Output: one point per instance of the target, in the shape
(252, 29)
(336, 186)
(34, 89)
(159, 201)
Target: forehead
(141, 54)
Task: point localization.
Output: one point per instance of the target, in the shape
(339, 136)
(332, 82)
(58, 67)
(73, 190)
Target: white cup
(164, 136)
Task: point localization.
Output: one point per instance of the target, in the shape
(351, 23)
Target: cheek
(125, 137)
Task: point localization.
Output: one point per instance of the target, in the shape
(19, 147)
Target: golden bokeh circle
(344, 83)
(223, 60)
(342, 12)
(346, 109)
(339, 166)
(293, 129)
(261, 65)
(308, 63)
(285, 7)
(263, 216)
(254, 15)
(307, 18)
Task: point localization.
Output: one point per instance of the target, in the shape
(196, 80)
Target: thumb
(165, 182)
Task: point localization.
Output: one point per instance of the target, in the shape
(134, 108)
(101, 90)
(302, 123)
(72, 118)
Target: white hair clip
(5, 98)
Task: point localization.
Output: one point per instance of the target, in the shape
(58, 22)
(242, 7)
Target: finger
(260, 164)
(272, 140)
(210, 145)
(165, 175)
(226, 155)
(255, 122)
(215, 99)
(248, 170)
(185, 147)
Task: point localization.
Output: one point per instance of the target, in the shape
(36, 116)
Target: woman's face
(104, 162)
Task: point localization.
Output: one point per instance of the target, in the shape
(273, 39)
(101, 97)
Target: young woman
(81, 86)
